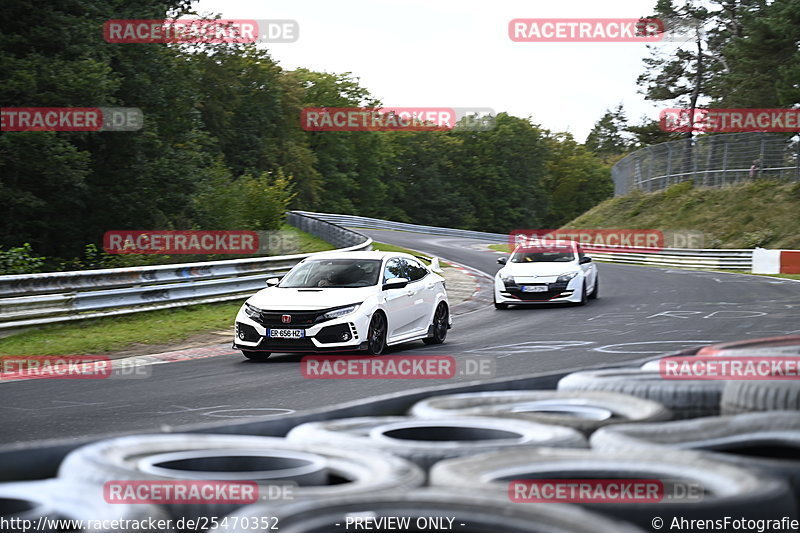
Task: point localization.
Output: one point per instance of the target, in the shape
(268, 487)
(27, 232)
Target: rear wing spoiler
(434, 263)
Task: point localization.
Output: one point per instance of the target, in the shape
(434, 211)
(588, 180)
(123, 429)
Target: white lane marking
(679, 343)
(250, 412)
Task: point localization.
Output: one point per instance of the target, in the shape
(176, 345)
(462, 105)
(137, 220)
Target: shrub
(20, 260)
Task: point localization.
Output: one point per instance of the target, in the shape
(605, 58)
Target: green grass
(98, 336)
(500, 248)
(760, 213)
(306, 242)
(102, 335)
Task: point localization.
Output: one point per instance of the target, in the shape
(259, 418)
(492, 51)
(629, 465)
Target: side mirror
(502, 260)
(395, 283)
(272, 282)
(585, 260)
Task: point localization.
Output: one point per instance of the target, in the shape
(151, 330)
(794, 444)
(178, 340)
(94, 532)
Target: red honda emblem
(286, 318)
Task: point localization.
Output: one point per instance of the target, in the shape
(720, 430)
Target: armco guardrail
(353, 221)
(733, 259)
(35, 299)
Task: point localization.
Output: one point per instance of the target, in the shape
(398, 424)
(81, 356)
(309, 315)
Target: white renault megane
(345, 301)
(550, 272)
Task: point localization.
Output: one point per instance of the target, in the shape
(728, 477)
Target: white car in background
(550, 272)
(345, 301)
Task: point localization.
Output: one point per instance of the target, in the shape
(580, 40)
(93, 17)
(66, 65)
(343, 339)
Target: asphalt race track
(641, 311)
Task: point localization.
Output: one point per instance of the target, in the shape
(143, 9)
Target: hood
(539, 269)
(279, 299)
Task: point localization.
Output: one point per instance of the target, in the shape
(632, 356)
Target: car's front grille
(298, 319)
(553, 290)
(292, 345)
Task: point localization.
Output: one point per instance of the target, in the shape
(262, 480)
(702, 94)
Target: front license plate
(534, 288)
(286, 333)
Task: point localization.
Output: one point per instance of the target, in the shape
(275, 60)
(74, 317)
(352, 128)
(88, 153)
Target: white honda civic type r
(345, 301)
(551, 272)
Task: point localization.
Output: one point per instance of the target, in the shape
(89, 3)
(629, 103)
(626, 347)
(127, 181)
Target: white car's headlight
(338, 312)
(251, 311)
(507, 278)
(566, 276)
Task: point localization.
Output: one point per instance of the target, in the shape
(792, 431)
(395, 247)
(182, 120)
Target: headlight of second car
(563, 278)
(507, 278)
(338, 312)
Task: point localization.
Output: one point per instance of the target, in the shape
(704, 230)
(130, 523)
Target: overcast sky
(457, 53)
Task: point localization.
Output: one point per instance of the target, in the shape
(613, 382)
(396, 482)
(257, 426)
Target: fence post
(724, 164)
(797, 161)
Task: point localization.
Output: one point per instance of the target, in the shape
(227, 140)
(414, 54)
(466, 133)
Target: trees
(222, 146)
(575, 182)
(679, 77)
(760, 56)
(741, 53)
(607, 139)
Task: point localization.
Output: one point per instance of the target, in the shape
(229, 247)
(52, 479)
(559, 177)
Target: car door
(423, 294)
(399, 304)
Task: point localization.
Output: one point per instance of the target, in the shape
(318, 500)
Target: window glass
(333, 273)
(415, 270)
(394, 269)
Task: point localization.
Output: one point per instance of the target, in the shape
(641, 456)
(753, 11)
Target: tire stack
(457, 456)
(63, 499)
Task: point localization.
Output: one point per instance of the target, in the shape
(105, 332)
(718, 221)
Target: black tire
(727, 490)
(256, 356)
(60, 499)
(596, 290)
(473, 512)
(426, 441)
(578, 410)
(769, 442)
(500, 306)
(440, 322)
(757, 395)
(685, 398)
(584, 296)
(243, 457)
(376, 334)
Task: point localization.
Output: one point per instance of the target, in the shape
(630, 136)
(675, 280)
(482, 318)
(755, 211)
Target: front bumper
(556, 292)
(346, 333)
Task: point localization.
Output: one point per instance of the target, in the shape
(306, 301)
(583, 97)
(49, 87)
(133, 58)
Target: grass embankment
(101, 336)
(760, 213)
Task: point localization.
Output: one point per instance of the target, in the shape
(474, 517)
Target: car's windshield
(539, 256)
(333, 273)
